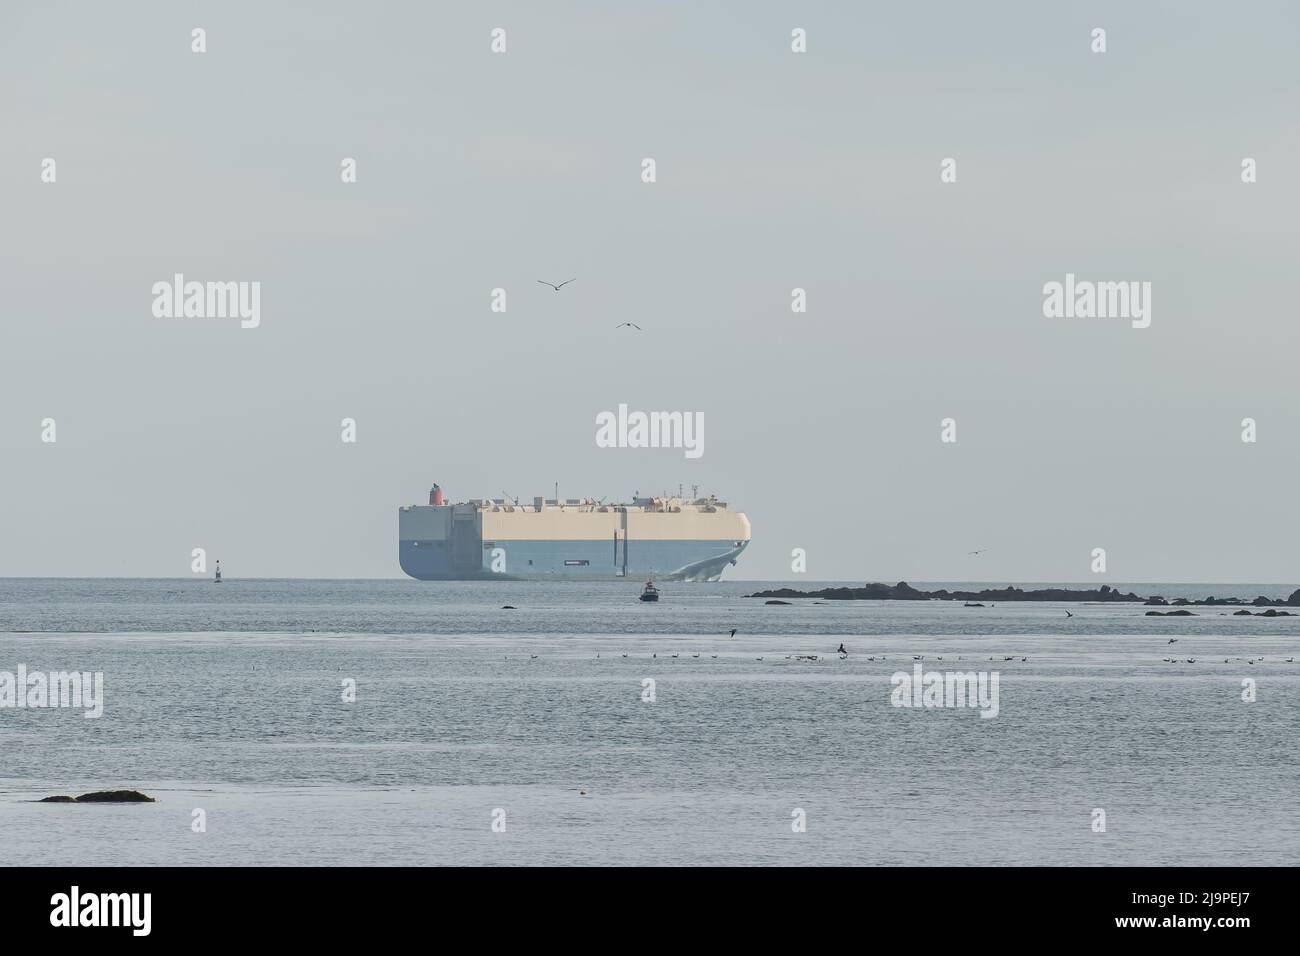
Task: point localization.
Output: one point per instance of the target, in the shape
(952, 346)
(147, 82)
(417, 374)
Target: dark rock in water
(776, 602)
(976, 604)
(508, 607)
(1274, 612)
(902, 591)
(1179, 613)
(1242, 613)
(115, 796)
(104, 796)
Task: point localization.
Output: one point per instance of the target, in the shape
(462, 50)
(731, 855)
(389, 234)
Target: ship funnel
(435, 495)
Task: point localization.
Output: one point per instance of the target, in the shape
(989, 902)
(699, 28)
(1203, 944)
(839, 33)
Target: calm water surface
(228, 699)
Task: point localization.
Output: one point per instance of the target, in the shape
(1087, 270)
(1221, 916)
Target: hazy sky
(775, 170)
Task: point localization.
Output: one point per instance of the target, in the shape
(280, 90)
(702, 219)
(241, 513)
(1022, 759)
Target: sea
(398, 722)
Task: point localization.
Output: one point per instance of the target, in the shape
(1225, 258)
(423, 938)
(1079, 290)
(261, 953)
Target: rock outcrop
(902, 591)
(104, 796)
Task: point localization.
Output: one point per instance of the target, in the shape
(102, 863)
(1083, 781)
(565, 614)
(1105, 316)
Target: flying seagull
(633, 324)
(557, 288)
(980, 551)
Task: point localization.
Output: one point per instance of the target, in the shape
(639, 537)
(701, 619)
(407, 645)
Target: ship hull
(573, 561)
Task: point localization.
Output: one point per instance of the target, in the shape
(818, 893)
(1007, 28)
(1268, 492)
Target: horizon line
(858, 582)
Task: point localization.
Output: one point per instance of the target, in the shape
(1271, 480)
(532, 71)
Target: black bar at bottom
(326, 906)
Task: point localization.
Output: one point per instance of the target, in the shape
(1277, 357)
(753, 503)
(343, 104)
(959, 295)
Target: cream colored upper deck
(649, 519)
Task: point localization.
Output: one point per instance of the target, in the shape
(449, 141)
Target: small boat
(651, 593)
(217, 579)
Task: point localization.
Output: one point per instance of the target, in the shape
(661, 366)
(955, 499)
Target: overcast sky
(775, 170)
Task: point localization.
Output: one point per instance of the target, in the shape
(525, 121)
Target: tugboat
(651, 593)
(217, 579)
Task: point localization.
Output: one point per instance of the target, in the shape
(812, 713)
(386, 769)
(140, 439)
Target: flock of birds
(558, 287)
(1226, 660)
(843, 655)
(840, 652)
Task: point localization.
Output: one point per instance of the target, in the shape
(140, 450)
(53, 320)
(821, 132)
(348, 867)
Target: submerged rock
(776, 602)
(1179, 613)
(103, 796)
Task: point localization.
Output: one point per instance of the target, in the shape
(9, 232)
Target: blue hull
(571, 560)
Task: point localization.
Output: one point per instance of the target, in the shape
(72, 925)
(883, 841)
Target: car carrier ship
(579, 539)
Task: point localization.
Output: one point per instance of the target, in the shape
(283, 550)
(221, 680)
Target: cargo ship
(579, 539)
